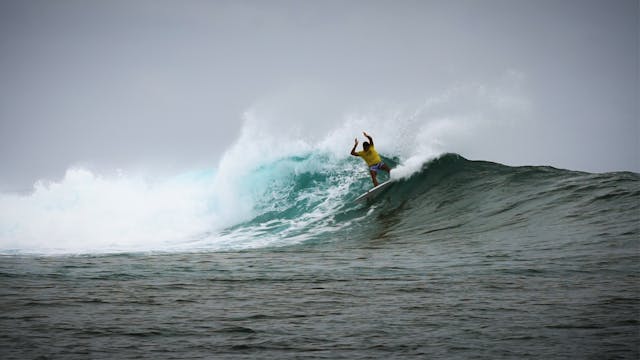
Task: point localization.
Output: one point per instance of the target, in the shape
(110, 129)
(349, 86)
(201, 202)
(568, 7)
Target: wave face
(449, 197)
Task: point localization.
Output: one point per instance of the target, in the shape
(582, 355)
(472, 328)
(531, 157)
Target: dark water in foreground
(465, 260)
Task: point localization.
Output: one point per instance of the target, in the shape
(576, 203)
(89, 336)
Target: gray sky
(163, 84)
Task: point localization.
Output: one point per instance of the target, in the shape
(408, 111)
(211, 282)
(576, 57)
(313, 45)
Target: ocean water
(458, 259)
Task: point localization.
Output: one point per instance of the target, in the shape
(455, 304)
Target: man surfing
(371, 157)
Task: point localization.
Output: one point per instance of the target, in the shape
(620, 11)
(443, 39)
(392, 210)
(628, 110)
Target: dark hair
(366, 145)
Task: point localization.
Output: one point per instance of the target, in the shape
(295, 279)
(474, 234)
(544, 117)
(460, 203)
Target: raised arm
(353, 151)
(368, 137)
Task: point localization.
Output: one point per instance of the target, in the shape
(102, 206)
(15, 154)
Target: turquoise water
(462, 259)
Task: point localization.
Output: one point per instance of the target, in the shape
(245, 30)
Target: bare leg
(374, 177)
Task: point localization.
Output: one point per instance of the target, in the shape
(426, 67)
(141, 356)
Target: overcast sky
(117, 84)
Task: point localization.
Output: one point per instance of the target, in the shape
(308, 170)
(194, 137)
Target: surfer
(371, 157)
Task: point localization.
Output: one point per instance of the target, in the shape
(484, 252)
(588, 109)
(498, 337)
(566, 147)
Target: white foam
(89, 212)
(86, 212)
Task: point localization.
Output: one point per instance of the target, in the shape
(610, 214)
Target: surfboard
(373, 192)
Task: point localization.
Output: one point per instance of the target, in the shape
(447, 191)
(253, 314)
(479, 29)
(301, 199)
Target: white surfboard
(373, 192)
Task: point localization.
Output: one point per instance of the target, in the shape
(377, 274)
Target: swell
(309, 200)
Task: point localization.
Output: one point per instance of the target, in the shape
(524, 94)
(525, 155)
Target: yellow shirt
(370, 156)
